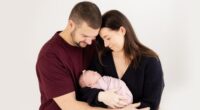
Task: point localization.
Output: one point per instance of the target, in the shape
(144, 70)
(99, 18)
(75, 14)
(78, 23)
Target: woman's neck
(121, 55)
(118, 54)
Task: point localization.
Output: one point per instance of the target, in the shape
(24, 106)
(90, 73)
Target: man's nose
(89, 41)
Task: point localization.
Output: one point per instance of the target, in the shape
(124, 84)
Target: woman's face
(113, 39)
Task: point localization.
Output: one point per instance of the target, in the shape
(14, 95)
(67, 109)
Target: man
(62, 59)
(64, 56)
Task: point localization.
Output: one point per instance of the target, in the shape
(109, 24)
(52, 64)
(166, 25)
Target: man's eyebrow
(86, 35)
(93, 37)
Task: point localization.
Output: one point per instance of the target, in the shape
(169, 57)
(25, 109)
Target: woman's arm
(90, 95)
(153, 84)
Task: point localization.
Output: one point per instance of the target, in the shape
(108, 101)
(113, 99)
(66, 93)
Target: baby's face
(91, 77)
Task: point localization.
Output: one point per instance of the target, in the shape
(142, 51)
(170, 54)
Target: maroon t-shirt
(58, 68)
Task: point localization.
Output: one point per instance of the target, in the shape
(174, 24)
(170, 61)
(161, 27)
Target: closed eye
(108, 38)
(85, 36)
(89, 85)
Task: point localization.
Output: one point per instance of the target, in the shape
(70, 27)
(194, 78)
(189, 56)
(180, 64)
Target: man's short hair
(86, 12)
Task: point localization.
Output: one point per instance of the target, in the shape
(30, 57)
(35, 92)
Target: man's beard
(78, 44)
(73, 36)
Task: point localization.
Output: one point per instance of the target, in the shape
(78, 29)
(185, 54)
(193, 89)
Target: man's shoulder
(49, 47)
(52, 46)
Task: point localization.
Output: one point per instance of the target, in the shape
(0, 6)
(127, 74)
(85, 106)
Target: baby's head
(88, 78)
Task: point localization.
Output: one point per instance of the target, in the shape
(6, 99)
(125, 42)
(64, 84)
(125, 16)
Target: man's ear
(71, 25)
(122, 30)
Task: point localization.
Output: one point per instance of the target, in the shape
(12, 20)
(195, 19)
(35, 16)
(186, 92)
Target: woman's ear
(122, 30)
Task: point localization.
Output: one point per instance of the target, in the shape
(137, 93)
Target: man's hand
(111, 99)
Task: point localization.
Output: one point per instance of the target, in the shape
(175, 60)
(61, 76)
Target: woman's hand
(134, 107)
(111, 99)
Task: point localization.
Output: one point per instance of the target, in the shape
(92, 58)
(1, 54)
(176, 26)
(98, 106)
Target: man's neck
(67, 37)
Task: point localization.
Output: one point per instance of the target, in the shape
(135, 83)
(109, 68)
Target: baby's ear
(83, 71)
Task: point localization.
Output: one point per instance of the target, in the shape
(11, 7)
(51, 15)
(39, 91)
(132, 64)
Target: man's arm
(69, 102)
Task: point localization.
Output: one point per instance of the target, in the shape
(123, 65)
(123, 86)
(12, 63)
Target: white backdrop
(170, 27)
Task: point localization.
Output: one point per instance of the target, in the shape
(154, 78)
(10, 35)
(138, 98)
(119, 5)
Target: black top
(145, 82)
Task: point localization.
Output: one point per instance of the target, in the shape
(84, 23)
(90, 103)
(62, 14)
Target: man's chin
(82, 45)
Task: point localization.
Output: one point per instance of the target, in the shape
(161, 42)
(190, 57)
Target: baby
(95, 80)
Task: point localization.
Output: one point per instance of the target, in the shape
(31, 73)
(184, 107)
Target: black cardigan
(145, 82)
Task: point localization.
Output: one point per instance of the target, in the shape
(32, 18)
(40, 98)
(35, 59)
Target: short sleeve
(54, 79)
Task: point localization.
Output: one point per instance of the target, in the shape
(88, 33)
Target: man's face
(83, 35)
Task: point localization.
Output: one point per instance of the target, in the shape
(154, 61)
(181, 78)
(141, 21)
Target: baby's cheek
(91, 81)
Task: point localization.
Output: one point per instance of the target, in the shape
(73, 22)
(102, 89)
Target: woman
(121, 55)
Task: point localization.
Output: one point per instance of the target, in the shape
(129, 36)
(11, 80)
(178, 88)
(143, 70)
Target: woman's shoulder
(149, 60)
(151, 66)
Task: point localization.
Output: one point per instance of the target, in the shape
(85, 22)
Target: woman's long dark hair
(132, 47)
